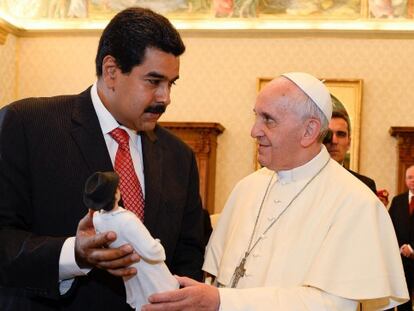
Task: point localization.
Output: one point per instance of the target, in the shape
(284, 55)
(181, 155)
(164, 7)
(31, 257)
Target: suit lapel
(407, 204)
(152, 158)
(87, 134)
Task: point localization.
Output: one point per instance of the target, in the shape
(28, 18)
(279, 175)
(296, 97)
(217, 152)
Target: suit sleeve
(189, 253)
(394, 212)
(27, 260)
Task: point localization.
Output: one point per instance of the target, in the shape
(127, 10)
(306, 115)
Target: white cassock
(332, 247)
(153, 275)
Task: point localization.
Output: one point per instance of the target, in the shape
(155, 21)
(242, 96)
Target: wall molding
(223, 27)
(192, 29)
(7, 28)
(3, 34)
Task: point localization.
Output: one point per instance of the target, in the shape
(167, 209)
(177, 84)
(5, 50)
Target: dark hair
(100, 189)
(131, 32)
(342, 115)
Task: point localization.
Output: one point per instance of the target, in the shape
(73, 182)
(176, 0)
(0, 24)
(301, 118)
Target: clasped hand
(407, 251)
(91, 250)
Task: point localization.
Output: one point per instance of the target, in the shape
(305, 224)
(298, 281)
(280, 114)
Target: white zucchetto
(314, 88)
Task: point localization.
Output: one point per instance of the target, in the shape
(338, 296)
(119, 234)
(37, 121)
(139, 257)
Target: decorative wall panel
(218, 84)
(8, 70)
(202, 138)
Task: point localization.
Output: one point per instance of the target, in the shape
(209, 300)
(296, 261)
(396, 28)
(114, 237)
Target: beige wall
(218, 84)
(8, 72)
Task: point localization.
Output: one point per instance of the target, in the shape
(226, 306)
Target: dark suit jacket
(366, 180)
(404, 229)
(48, 148)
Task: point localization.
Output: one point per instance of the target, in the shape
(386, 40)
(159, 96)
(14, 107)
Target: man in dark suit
(338, 142)
(50, 256)
(402, 217)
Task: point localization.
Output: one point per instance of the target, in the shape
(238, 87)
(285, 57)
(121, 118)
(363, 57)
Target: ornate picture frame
(349, 93)
(359, 15)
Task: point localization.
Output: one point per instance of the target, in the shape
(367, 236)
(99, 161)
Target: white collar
(305, 171)
(106, 120)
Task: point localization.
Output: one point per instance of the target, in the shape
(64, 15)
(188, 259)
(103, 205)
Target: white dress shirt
(68, 268)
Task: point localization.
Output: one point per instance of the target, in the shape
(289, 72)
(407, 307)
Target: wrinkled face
(341, 141)
(278, 129)
(409, 178)
(148, 85)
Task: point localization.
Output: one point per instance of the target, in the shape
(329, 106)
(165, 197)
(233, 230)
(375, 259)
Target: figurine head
(100, 190)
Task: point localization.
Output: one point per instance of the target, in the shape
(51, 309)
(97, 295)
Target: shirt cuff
(68, 268)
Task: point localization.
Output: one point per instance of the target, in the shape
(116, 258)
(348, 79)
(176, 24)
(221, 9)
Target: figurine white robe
(335, 244)
(153, 275)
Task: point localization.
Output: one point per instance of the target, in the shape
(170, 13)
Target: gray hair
(307, 108)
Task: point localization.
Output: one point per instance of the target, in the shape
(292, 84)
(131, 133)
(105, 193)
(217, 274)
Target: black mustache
(156, 109)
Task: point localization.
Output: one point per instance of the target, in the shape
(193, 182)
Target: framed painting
(364, 15)
(349, 94)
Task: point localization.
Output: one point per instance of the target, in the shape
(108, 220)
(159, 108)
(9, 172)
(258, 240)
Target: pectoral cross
(239, 272)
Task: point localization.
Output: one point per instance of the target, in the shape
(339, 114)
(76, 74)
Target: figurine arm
(135, 233)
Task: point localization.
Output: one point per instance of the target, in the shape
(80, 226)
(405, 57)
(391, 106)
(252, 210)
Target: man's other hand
(193, 296)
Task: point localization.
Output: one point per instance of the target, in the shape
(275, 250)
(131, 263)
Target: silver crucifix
(239, 272)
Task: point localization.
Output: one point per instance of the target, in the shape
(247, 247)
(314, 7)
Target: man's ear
(109, 71)
(311, 132)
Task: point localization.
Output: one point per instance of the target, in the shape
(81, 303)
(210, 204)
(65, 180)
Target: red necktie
(411, 209)
(131, 191)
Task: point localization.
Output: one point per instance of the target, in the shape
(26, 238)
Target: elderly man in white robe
(301, 233)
